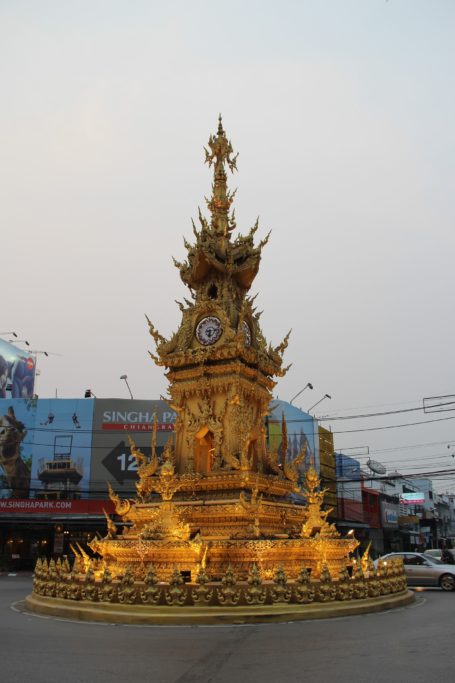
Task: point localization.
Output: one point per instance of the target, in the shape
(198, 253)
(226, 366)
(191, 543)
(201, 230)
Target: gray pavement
(411, 644)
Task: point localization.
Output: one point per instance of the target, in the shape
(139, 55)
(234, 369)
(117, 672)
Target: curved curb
(144, 614)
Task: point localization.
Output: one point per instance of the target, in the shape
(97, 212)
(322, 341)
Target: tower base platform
(193, 615)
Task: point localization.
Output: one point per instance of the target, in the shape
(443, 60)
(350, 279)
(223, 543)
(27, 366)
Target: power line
(387, 412)
(397, 475)
(378, 405)
(393, 476)
(409, 446)
(384, 461)
(408, 424)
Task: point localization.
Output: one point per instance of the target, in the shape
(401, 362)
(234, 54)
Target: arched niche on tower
(253, 456)
(204, 444)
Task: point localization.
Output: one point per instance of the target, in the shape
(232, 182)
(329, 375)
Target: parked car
(436, 554)
(423, 570)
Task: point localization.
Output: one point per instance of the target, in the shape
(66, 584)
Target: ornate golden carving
(280, 591)
(303, 590)
(90, 589)
(255, 594)
(229, 593)
(152, 592)
(344, 585)
(359, 586)
(122, 507)
(127, 591)
(111, 528)
(325, 589)
(202, 594)
(316, 521)
(107, 591)
(166, 523)
(146, 468)
(176, 593)
(97, 584)
(292, 469)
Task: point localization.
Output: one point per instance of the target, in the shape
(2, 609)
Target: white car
(422, 570)
(436, 554)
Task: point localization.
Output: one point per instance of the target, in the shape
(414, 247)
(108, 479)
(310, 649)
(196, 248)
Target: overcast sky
(342, 113)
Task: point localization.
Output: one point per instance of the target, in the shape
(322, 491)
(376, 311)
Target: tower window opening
(213, 292)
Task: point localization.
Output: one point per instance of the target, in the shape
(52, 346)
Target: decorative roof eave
(228, 350)
(201, 262)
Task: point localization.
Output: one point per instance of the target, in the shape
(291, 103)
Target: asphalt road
(414, 643)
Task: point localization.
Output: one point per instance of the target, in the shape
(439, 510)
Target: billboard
(115, 419)
(327, 467)
(62, 448)
(68, 449)
(302, 431)
(415, 498)
(55, 507)
(389, 515)
(17, 371)
(17, 422)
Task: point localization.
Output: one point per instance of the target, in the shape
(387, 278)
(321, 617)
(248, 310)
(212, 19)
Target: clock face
(208, 330)
(247, 333)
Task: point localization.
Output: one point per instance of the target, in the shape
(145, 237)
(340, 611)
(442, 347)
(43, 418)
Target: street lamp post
(125, 378)
(318, 402)
(308, 385)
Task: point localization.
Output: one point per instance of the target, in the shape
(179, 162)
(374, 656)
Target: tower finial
(220, 153)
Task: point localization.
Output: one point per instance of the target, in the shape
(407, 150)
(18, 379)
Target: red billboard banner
(20, 506)
(137, 426)
(414, 498)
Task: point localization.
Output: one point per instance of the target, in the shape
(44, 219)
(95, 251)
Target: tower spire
(220, 125)
(220, 153)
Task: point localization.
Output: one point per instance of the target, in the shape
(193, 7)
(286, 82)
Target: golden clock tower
(220, 504)
(220, 367)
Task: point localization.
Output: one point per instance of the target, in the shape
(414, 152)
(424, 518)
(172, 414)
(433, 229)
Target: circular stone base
(161, 615)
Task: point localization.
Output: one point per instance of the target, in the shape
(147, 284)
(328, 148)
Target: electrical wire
(328, 418)
(402, 448)
(289, 422)
(448, 473)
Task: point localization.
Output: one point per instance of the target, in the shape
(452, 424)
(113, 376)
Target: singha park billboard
(45, 448)
(113, 421)
(72, 448)
(17, 371)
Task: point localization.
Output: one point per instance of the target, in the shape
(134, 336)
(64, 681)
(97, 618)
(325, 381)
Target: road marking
(418, 603)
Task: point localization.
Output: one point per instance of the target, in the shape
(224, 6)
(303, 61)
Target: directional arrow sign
(121, 464)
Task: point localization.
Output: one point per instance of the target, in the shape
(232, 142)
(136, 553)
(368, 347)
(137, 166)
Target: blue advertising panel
(17, 371)
(62, 448)
(302, 431)
(17, 422)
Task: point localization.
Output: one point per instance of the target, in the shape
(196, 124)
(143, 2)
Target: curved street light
(308, 385)
(125, 378)
(318, 402)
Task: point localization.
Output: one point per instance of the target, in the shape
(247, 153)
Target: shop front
(36, 528)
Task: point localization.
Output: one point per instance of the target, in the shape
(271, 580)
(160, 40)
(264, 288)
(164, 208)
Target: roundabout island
(223, 529)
